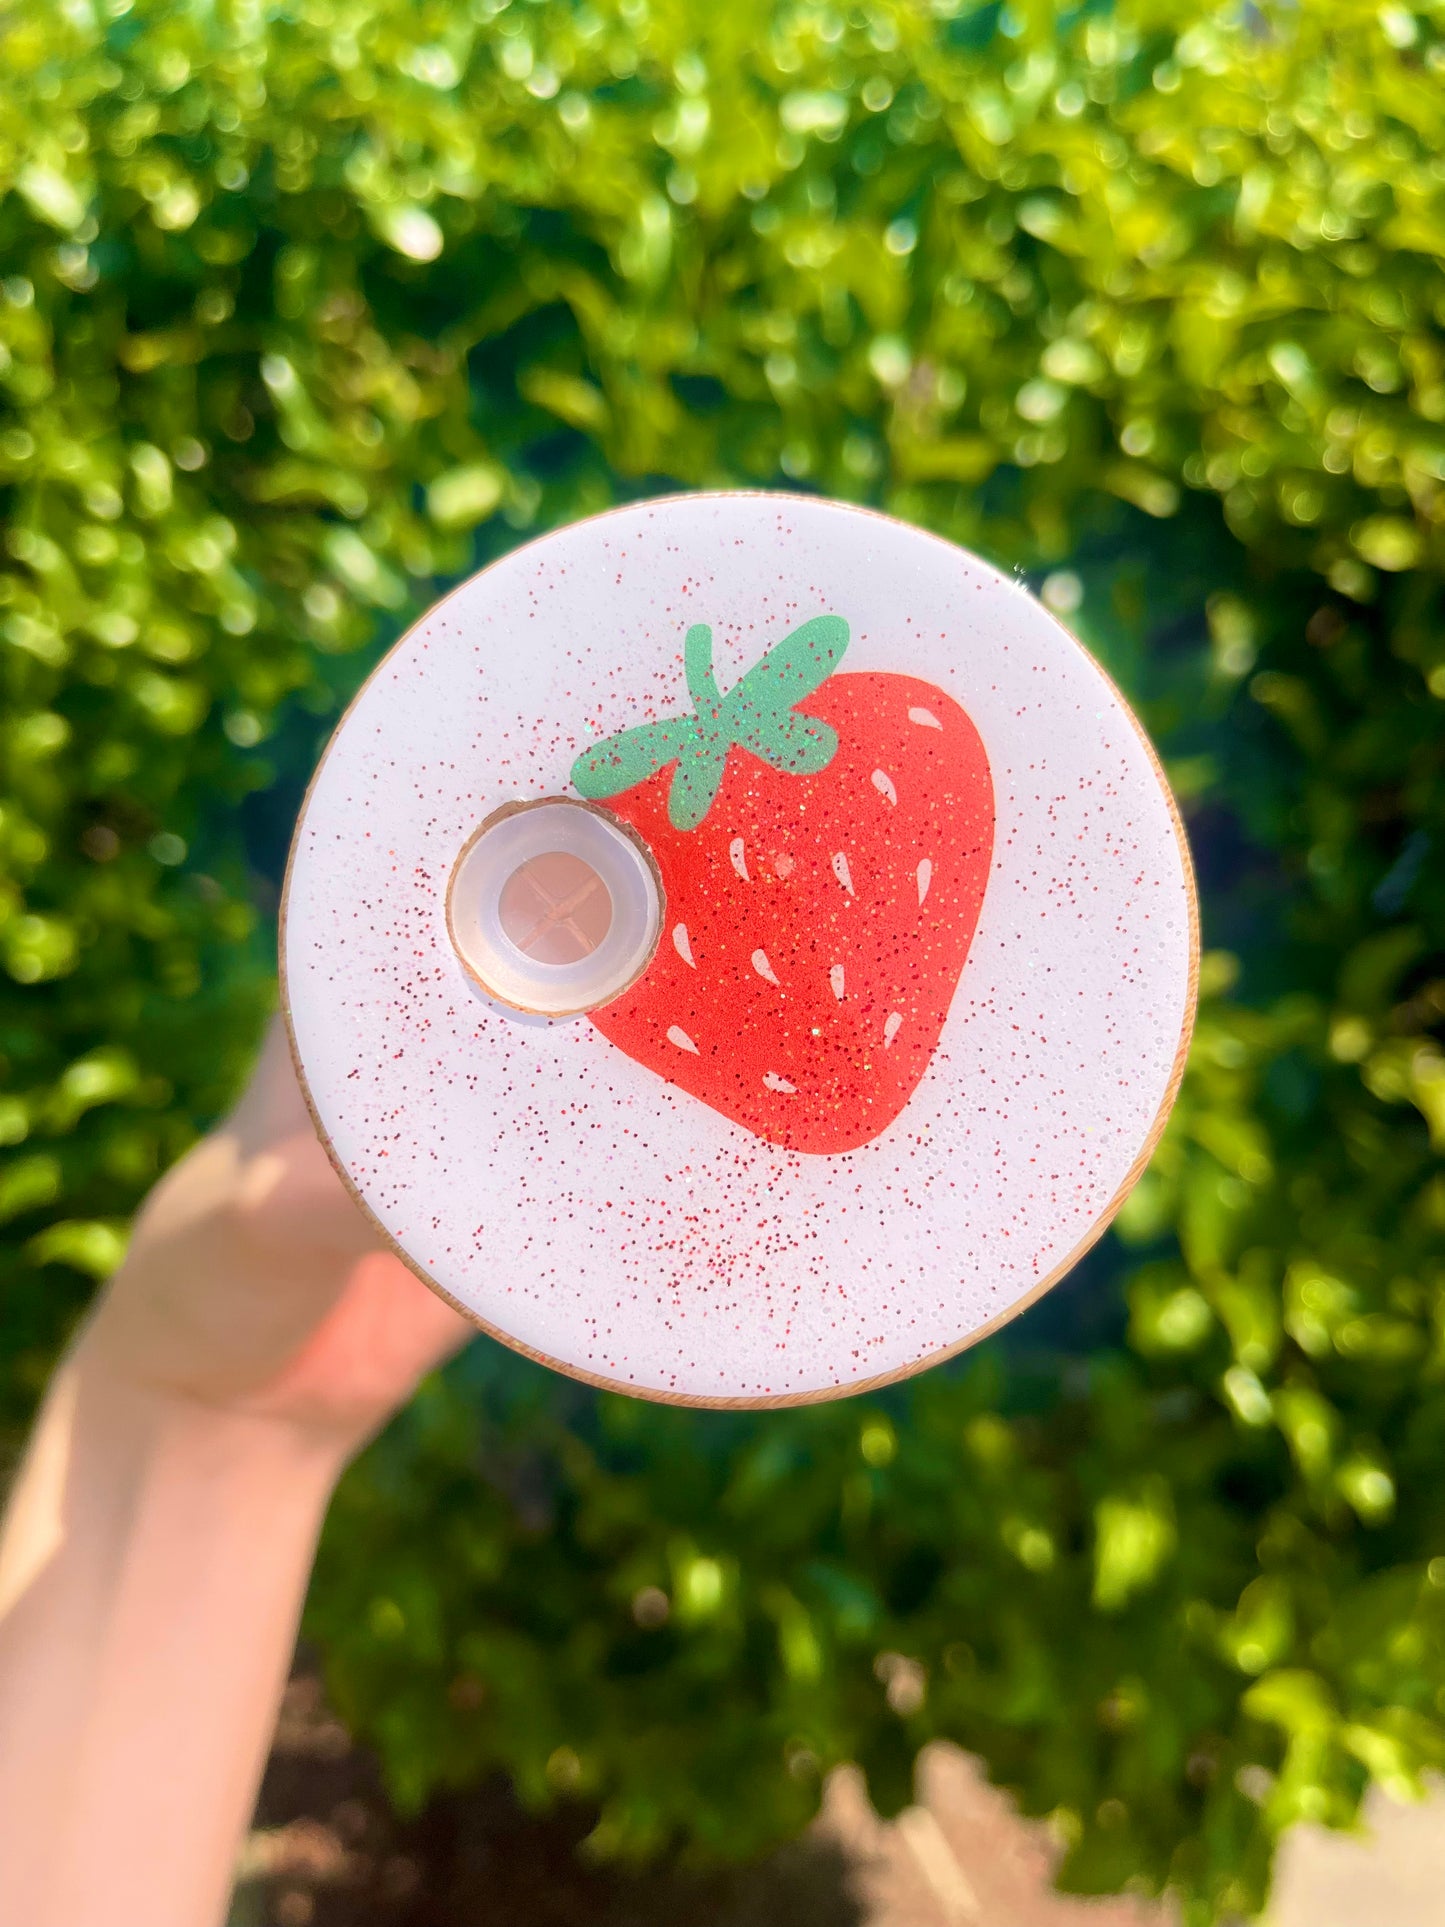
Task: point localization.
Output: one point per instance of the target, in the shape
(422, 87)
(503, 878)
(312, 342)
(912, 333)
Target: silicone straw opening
(554, 907)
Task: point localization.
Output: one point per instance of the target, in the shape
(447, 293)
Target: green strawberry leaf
(757, 715)
(794, 667)
(695, 786)
(802, 746)
(632, 755)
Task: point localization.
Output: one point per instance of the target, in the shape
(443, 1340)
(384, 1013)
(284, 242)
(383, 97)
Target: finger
(294, 1185)
(385, 1331)
(273, 1106)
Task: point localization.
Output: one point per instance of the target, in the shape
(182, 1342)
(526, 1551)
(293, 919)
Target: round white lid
(913, 1008)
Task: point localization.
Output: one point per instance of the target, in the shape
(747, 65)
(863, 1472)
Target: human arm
(161, 1529)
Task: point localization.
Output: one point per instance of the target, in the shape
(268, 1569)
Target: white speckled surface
(574, 1203)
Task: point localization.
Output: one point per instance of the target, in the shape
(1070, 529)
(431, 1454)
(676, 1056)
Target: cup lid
(739, 949)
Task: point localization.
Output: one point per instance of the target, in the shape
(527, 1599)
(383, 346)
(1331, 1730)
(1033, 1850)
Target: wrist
(227, 1436)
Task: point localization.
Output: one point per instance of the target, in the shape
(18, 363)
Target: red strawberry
(823, 871)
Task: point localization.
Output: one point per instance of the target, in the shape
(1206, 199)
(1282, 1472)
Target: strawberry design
(823, 871)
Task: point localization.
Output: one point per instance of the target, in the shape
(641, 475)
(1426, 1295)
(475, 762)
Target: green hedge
(304, 308)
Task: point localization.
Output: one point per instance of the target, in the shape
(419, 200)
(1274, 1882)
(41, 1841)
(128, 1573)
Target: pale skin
(161, 1529)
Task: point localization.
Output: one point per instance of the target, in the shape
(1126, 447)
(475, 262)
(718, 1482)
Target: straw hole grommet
(554, 907)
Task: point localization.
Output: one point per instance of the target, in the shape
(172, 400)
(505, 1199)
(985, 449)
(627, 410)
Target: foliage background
(306, 308)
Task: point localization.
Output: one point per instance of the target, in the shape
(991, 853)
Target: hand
(162, 1525)
(254, 1284)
